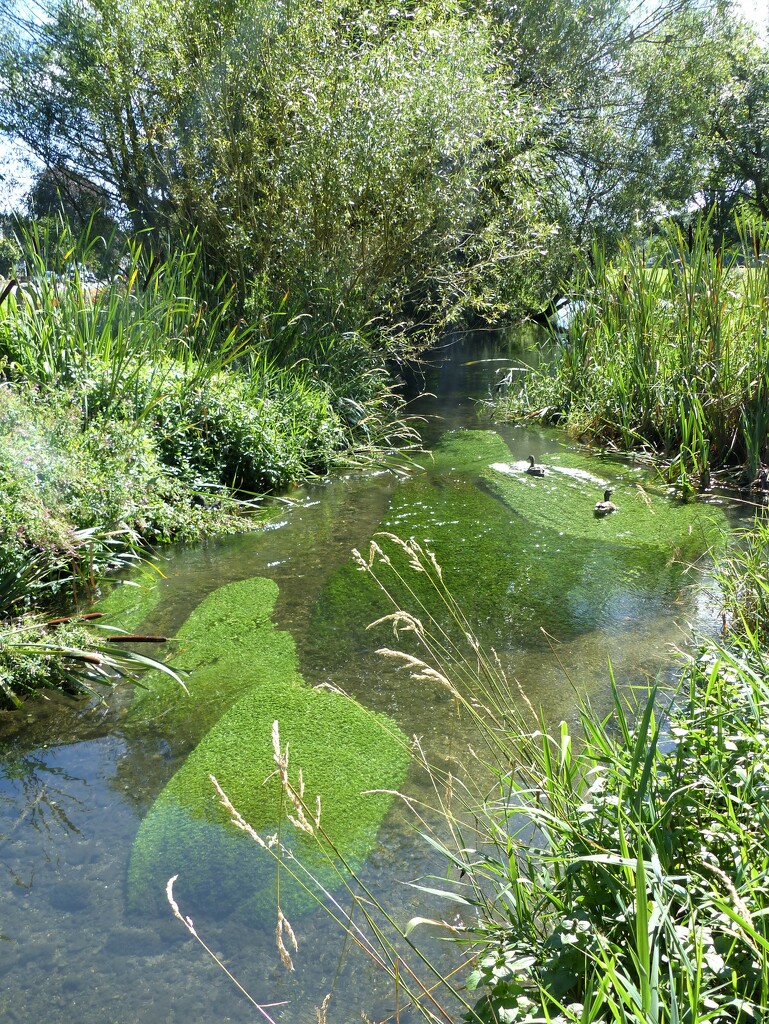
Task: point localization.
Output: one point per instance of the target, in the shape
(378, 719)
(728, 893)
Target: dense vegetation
(137, 412)
(374, 162)
(667, 354)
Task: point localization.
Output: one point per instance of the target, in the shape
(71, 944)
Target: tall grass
(672, 357)
(617, 871)
(130, 333)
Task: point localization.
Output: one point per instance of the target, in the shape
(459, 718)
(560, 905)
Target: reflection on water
(75, 783)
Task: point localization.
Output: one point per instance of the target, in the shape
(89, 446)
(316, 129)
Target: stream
(77, 779)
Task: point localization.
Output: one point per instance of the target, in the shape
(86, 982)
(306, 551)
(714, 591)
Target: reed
(116, 343)
(72, 655)
(672, 357)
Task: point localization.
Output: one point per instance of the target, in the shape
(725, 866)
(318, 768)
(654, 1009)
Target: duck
(535, 470)
(605, 507)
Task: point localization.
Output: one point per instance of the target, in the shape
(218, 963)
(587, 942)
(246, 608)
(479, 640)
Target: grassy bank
(671, 358)
(141, 411)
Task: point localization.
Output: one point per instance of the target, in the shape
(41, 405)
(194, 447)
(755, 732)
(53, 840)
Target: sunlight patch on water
(516, 468)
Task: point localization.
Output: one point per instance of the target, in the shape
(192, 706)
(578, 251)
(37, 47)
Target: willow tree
(402, 164)
(371, 163)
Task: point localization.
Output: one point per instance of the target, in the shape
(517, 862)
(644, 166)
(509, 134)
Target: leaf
(453, 897)
(474, 980)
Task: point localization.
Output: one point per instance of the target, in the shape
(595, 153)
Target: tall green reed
(672, 357)
(130, 333)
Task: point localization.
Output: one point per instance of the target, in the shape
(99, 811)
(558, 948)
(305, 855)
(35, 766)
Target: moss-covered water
(98, 805)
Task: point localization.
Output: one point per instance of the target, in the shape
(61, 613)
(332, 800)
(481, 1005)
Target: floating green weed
(130, 602)
(531, 549)
(227, 646)
(344, 752)
(564, 500)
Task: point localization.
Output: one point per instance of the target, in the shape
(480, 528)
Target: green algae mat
(519, 551)
(130, 602)
(244, 674)
(564, 501)
(227, 646)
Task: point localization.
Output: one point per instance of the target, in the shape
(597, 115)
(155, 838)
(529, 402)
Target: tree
(739, 167)
(10, 254)
(362, 159)
(629, 123)
(405, 165)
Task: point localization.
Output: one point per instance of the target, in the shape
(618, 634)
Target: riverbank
(669, 360)
(144, 414)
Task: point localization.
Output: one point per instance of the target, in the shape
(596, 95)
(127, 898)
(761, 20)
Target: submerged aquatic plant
(617, 872)
(243, 678)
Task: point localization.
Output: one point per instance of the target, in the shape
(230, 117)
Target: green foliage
(101, 487)
(252, 434)
(375, 164)
(154, 348)
(59, 195)
(742, 577)
(644, 891)
(120, 340)
(31, 660)
(67, 656)
(10, 254)
(740, 129)
(671, 357)
(365, 161)
(341, 750)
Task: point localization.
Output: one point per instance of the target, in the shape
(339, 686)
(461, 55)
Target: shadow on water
(75, 783)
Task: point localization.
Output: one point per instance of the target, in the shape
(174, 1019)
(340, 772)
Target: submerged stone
(342, 749)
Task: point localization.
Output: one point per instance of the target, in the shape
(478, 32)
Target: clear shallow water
(76, 781)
